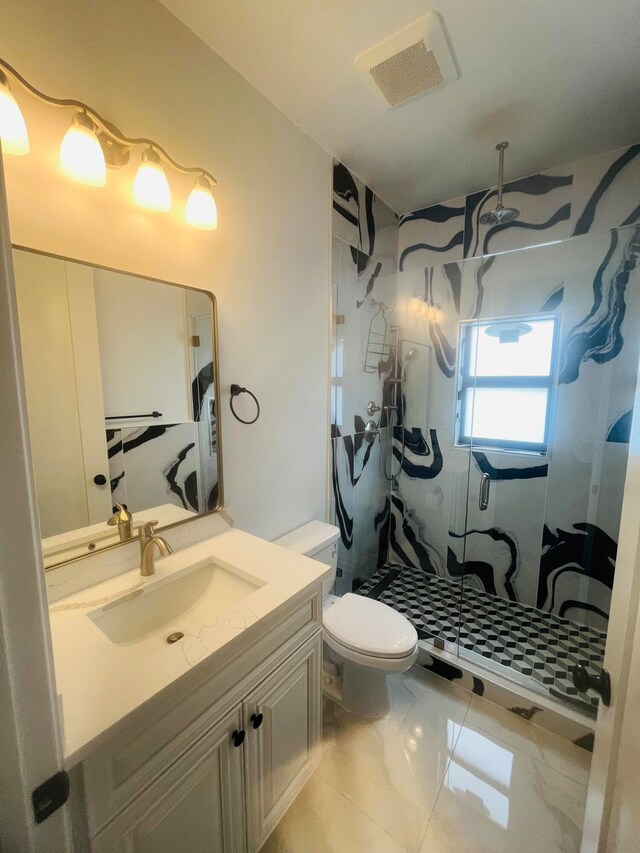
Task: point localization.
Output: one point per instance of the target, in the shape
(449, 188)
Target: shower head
(500, 215)
(410, 354)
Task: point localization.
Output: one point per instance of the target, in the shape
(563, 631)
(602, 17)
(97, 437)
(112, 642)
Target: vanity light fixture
(13, 130)
(421, 308)
(81, 155)
(201, 209)
(151, 187)
(92, 144)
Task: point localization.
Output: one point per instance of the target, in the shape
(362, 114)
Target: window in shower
(505, 383)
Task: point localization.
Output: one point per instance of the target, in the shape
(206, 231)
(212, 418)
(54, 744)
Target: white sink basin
(184, 601)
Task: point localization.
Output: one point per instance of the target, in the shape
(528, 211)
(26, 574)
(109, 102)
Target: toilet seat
(369, 632)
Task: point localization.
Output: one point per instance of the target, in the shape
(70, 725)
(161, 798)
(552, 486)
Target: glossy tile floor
(444, 772)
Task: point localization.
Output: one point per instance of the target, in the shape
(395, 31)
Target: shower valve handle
(372, 408)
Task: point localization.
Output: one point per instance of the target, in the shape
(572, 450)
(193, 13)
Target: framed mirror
(121, 379)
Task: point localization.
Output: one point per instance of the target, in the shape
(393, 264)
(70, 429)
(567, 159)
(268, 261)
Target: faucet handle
(122, 516)
(148, 529)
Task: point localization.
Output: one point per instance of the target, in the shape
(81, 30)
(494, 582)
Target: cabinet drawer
(154, 737)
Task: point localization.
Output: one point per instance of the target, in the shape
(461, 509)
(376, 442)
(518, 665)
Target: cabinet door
(197, 805)
(284, 749)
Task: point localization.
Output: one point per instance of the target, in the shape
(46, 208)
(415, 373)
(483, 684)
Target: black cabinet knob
(238, 737)
(601, 683)
(100, 480)
(256, 720)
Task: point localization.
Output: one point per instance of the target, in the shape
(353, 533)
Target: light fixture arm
(109, 131)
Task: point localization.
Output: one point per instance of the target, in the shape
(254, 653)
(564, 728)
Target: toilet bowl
(364, 639)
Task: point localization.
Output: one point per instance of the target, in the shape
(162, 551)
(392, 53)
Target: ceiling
(560, 79)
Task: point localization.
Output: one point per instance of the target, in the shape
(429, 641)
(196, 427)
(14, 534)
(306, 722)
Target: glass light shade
(13, 130)
(415, 304)
(424, 310)
(81, 157)
(151, 187)
(201, 209)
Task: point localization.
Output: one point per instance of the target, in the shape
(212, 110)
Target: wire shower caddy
(378, 343)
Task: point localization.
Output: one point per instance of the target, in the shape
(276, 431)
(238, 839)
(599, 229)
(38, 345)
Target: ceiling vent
(414, 60)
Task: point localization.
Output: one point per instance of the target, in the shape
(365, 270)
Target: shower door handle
(483, 496)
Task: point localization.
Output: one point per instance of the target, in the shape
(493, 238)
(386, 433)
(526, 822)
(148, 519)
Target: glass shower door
(544, 405)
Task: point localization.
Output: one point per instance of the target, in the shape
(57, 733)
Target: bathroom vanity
(189, 693)
(208, 736)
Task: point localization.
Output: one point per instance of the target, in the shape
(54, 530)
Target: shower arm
(500, 149)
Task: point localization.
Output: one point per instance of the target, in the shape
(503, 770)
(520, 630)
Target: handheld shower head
(500, 215)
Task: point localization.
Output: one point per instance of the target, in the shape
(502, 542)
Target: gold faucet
(149, 541)
(122, 517)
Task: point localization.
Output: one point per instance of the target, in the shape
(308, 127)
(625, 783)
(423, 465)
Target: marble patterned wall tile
(582, 516)
(606, 191)
(502, 543)
(360, 508)
(363, 345)
(544, 202)
(423, 483)
(429, 377)
(117, 477)
(348, 191)
(432, 236)
(162, 466)
(588, 196)
(363, 220)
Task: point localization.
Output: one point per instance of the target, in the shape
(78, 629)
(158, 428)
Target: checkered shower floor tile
(532, 642)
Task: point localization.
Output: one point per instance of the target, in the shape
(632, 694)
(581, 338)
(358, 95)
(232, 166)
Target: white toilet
(364, 640)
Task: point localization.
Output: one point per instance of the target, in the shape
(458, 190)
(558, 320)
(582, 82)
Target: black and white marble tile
(529, 641)
(116, 468)
(606, 191)
(359, 507)
(155, 465)
(358, 373)
(432, 236)
(364, 221)
(589, 196)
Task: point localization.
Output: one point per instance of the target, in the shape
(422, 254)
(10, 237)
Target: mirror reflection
(119, 377)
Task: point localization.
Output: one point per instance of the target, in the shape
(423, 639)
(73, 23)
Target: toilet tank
(317, 540)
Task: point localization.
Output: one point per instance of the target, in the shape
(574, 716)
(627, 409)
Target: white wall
(268, 262)
(144, 356)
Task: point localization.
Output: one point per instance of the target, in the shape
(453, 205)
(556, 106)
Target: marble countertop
(100, 682)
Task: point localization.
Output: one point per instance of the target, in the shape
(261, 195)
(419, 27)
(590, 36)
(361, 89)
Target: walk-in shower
(506, 463)
(486, 506)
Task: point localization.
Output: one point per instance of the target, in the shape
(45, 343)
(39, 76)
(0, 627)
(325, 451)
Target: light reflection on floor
(444, 772)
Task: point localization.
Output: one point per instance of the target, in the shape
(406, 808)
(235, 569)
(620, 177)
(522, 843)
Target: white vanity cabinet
(196, 806)
(283, 751)
(221, 783)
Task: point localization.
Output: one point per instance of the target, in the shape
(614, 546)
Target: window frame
(466, 382)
